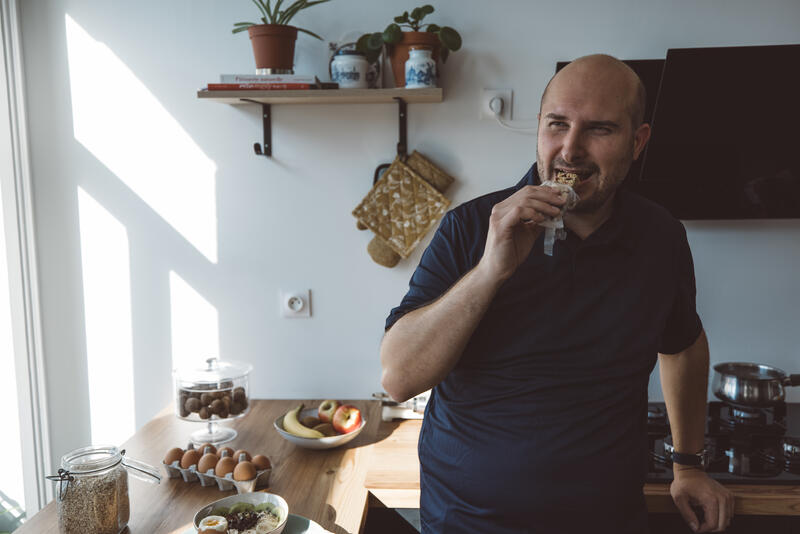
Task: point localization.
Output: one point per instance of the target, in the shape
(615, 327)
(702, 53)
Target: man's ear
(640, 139)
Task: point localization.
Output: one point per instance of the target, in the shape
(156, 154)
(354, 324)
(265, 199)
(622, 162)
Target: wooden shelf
(325, 96)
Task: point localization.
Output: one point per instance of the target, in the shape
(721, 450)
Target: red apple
(326, 410)
(346, 419)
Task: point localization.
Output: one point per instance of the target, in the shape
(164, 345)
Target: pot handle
(792, 380)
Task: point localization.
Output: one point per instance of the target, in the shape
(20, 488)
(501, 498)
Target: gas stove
(744, 445)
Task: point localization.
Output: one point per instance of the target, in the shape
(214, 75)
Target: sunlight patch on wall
(118, 120)
(195, 325)
(105, 261)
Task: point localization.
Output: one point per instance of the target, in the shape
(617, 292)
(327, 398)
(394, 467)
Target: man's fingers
(510, 216)
(731, 504)
(711, 512)
(722, 520)
(682, 502)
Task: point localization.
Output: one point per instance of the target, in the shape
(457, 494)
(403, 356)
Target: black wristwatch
(691, 460)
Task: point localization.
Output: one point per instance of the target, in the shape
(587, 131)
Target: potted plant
(273, 41)
(440, 39)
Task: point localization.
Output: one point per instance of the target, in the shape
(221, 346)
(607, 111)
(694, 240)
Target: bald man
(539, 364)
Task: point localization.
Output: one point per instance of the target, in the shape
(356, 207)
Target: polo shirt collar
(618, 230)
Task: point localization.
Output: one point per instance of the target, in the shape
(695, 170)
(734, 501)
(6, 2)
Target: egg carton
(226, 483)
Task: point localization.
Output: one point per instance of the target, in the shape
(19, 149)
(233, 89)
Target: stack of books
(268, 82)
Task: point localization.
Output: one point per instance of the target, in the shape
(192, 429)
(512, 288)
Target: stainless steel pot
(751, 384)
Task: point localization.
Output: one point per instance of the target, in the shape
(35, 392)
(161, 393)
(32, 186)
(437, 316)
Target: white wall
(286, 223)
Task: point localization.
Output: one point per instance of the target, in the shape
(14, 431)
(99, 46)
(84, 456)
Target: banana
(292, 425)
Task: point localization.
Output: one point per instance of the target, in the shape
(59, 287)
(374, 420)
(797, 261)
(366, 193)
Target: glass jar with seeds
(92, 490)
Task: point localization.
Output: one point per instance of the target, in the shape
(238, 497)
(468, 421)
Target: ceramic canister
(349, 70)
(420, 69)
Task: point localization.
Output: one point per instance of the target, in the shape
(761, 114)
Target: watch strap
(695, 460)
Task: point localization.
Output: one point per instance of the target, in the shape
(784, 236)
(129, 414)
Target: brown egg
(225, 451)
(224, 466)
(172, 455)
(207, 461)
(244, 471)
(202, 448)
(261, 462)
(189, 458)
(238, 454)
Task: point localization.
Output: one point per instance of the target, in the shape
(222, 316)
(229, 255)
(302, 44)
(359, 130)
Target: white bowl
(253, 498)
(318, 443)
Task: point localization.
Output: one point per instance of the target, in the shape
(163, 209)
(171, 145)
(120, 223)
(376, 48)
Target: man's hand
(693, 487)
(514, 228)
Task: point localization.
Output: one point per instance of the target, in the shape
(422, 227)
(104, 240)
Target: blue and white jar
(349, 69)
(420, 69)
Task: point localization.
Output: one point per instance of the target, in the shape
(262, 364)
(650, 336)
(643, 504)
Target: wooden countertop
(326, 486)
(334, 487)
(393, 478)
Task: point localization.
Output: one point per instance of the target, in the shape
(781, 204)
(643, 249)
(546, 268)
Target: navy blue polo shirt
(541, 425)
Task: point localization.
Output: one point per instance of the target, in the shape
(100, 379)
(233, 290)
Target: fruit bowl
(317, 443)
(258, 499)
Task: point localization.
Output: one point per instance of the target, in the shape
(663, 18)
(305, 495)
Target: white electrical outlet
(295, 304)
(505, 96)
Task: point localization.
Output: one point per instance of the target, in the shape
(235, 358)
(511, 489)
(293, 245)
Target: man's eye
(558, 124)
(601, 130)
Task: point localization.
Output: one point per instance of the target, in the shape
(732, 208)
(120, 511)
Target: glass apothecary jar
(92, 490)
(216, 392)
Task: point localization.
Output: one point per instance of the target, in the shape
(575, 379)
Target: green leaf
(260, 7)
(299, 6)
(290, 12)
(444, 53)
(427, 9)
(400, 20)
(433, 28)
(417, 13)
(276, 12)
(450, 38)
(362, 45)
(268, 6)
(312, 34)
(242, 23)
(242, 28)
(392, 34)
(375, 41)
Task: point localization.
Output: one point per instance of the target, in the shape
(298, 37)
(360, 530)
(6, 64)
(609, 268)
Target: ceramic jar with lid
(349, 69)
(420, 69)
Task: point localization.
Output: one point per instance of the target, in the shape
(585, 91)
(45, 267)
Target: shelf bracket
(402, 143)
(402, 120)
(266, 117)
(402, 115)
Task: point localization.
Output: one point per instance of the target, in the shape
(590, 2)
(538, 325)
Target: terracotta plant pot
(273, 45)
(398, 54)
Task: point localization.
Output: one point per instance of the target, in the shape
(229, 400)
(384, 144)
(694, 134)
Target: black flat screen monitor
(726, 134)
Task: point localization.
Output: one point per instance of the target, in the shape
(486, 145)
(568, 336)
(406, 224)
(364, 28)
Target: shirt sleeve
(683, 324)
(441, 266)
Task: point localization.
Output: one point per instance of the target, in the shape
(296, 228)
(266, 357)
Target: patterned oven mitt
(401, 207)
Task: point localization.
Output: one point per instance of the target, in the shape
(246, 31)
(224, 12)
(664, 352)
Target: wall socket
(295, 304)
(486, 97)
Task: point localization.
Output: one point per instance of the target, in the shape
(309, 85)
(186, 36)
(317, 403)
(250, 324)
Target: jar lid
(213, 372)
(349, 52)
(91, 458)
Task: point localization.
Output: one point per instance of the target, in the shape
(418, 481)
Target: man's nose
(572, 150)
